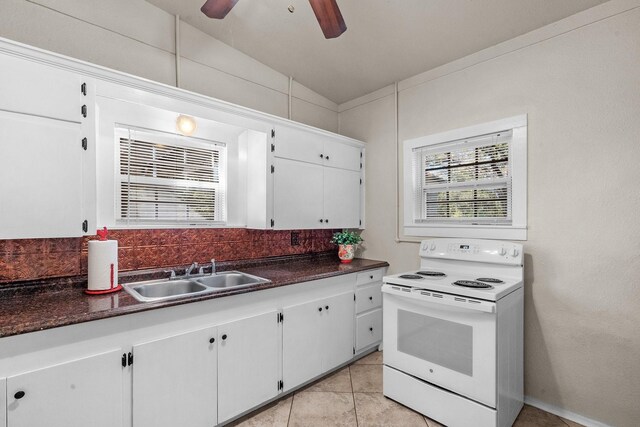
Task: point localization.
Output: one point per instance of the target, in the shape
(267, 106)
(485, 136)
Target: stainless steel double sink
(165, 289)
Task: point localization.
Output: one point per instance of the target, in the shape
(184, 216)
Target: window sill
(469, 232)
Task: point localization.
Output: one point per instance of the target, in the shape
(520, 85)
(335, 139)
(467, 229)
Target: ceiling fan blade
(329, 17)
(218, 8)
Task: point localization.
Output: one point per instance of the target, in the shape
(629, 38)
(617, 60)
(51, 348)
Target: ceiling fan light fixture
(217, 9)
(329, 17)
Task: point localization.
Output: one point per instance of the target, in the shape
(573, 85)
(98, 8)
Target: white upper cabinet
(341, 198)
(315, 181)
(79, 393)
(341, 155)
(311, 147)
(297, 195)
(41, 171)
(32, 88)
(297, 144)
(43, 112)
(58, 162)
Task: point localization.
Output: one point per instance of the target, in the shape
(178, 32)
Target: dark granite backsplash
(33, 259)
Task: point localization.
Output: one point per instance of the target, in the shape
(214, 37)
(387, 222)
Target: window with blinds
(169, 179)
(467, 181)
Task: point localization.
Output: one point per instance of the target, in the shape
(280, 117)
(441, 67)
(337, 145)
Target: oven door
(447, 340)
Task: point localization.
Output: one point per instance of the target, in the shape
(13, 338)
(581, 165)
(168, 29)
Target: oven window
(441, 342)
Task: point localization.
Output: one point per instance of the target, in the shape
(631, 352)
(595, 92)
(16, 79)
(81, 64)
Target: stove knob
(433, 246)
(514, 252)
(503, 251)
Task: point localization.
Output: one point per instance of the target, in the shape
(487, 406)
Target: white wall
(579, 82)
(138, 38)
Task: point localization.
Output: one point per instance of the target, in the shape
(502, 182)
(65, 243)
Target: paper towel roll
(103, 265)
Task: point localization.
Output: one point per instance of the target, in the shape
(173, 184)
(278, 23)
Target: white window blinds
(169, 179)
(465, 181)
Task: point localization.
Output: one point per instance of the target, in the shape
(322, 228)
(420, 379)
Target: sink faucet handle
(213, 266)
(173, 273)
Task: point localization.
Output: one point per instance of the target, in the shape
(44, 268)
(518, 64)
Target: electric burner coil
(472, 284)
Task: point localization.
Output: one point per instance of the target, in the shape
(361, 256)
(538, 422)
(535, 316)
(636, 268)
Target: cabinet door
(174, 381)
(302, 343)
(3, 402)
(40, 177)
(297, 195)
(337, 330)
(341, 155)
(248, 363)
(32, 88)
(297, 144)
(341, 198)
(80, 393)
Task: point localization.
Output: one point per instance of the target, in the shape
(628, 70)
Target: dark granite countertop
(36, 306)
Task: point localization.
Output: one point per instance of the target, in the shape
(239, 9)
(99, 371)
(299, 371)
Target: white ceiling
(385, 41)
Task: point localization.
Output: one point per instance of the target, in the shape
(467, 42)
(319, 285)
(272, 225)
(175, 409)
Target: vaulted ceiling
(385, 41)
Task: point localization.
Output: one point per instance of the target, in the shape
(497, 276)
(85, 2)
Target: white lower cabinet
(336, 332)
(301, 343)
(175, 381)
(184, 374)
(368, 329)
(317, 336)
(368, 325)
(3, 402)
(248, 363)
(80, 393)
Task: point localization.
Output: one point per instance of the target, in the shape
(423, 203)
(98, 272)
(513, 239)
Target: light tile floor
(352, 397)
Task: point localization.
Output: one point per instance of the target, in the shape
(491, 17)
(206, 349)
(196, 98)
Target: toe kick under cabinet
(368, 325)
(200, 364)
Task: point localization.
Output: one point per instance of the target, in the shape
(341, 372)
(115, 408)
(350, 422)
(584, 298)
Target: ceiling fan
(326, 11)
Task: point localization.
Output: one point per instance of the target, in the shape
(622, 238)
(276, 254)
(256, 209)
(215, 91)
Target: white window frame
(517, 230)
(171, 139)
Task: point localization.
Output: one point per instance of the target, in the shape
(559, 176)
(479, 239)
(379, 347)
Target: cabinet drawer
(368, 329)
(369, 277)
(368, 297)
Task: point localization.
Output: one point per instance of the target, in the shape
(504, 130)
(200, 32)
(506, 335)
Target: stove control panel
(490, 251)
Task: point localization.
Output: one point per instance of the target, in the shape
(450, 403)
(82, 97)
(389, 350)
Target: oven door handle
(440, 299)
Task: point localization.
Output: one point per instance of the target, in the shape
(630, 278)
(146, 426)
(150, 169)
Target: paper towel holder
(113, 276)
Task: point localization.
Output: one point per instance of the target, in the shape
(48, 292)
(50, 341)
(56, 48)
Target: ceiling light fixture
(186, 125)
(327, 13)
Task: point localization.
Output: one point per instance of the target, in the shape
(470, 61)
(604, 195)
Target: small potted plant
(346, 241)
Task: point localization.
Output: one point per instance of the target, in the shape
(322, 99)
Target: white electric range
(453, 333)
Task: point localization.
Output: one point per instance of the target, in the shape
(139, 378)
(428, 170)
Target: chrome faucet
(213, 267)
(190, 269)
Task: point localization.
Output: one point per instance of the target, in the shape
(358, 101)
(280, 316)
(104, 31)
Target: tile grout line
(290, 408)
(353, 395)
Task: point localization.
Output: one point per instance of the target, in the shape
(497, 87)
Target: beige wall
(138, 38)
(579, 83)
